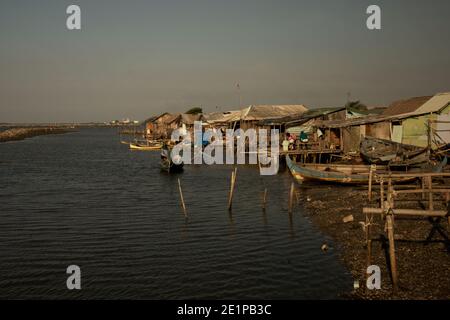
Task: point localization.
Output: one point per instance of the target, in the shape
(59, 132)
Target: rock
(348, 218)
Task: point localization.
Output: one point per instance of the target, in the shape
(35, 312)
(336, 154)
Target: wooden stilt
(182, 198)
(423, 188)
(230, 195)
(369, 238)
(447, 200)
(390, 231)
(264, 199)
(291, 197)
(382, 193)
(430, 192)
(372, 169)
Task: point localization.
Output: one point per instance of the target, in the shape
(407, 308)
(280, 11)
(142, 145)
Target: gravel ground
(423, 265)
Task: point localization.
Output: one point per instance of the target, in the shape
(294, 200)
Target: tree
(195, 110)
(356, 105)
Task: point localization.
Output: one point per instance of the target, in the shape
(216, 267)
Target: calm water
(83, 198)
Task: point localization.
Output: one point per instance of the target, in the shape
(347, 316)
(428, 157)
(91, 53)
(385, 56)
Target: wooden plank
(409, 212)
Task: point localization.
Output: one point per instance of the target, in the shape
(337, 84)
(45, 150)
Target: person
(303, 137)
(285, 144)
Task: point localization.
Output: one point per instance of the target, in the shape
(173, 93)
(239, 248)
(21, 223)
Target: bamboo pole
(372, 169)
(423, 187)
(393, 262)
(291, 197)
(265, 199)
(430, 190)
(233, 181)
(182, 198)
(369, 238)
(409, 212)
(447, 199)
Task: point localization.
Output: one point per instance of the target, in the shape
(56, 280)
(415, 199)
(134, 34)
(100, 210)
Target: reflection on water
(83, 198)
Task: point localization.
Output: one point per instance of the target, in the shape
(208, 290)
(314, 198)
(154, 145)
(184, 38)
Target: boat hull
(380, 151)
(337, 174)
(145, 148)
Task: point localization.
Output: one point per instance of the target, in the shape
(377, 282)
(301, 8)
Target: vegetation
(356, 105)
(195, 110)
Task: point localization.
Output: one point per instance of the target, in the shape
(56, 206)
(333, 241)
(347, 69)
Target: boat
(381, 151)
(168, 164)
(146, 146)
(349, 174)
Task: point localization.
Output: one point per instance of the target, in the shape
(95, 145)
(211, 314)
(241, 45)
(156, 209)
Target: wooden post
(369, 238)
(390, 230)
(382, 193)
(264, 199)
(230, 196)
(390, 194)
(429, 140)
(372, 169)
(423, 188)
(430, 192)
(182, 199)
(291, 197)
(447, 200)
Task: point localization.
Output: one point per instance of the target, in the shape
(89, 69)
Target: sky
(135, 58)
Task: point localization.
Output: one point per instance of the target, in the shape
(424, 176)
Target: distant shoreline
(21, 133)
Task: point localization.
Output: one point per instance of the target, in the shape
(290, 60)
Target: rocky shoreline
(15, 134)
(423, 264)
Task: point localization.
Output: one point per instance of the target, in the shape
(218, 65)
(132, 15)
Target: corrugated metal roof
(435, 104)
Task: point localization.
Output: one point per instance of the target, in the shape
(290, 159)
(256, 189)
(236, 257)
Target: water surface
(83, 198)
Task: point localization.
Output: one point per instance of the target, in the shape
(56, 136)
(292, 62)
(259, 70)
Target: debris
(348, 218)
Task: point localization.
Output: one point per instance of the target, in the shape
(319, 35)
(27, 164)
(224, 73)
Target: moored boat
(347, 174)
(168, 164)
(380, 151)
(146, 147)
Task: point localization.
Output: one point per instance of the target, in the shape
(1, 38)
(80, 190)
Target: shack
(252, 116)
(405, 121)
(161, 126)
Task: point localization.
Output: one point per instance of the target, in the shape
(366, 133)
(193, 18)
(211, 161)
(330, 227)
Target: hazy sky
(138, 58)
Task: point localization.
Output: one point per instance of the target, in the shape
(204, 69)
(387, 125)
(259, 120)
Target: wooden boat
(346, 174)
(167, 164)
(146, 147)
(380, 151)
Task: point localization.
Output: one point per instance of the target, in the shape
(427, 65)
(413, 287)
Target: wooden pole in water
(291, 197)
(233, 181)
(182, 199)
(265, 198)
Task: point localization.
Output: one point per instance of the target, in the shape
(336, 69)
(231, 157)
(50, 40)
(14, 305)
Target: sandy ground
(423, 265)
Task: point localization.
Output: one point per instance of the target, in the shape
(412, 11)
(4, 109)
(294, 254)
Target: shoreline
(21, 133)
(422, 264)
